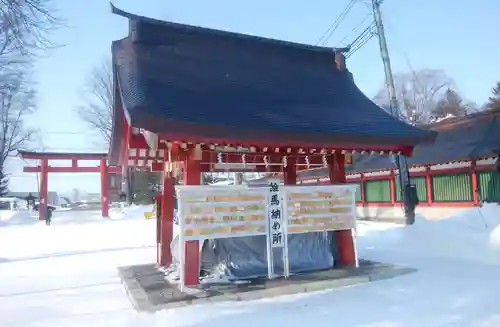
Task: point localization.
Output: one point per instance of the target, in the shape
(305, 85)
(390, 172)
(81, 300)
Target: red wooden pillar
(44, 191)
(475, 184)
(344, 238)
(192, 176)
(290, 172)
(167, 220)
(157, 203)
(428, 186)
(392, 188)
(104, 188)
(362, 190)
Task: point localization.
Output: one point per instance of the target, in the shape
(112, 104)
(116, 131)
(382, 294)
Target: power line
(336, 23)
(366, 35)
(356, 27)
(66, 132)
(367, 31)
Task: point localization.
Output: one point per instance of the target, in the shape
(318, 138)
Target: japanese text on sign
(319, 208)
(209, 212)
(275, 215)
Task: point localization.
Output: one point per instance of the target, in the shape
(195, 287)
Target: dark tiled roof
(468, 138)
(209, 84)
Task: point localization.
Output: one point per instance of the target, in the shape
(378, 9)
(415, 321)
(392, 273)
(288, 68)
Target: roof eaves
(117, 119)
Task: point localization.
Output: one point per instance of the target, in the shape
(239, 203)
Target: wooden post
(44, 191)
(362, 190)
(166, 223)
(344, 238)
(392, 188)
(104, 189)
(428, 186)
(158, 216)
(192, 176)
(475, 184)
(290, 172)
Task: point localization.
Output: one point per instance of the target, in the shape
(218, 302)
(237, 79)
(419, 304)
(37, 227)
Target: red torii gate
(44, 169)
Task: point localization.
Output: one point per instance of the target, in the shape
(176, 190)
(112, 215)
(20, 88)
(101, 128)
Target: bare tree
(25, 28)
(494, 99)
(418, 94)
(451, 105)
(17, 100)
(97, 110)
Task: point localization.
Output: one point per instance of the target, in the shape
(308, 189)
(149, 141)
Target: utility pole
(401, 162)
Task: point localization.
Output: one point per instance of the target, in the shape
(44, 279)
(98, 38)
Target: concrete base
(149, 291)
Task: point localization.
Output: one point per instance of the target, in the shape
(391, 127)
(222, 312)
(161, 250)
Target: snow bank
(65, 275)
(472, 236)
(76, 233)
(59, 208)
(8, 217)
(466, 236)
(132, 212)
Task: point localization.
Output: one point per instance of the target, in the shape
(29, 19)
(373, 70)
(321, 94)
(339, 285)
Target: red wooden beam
(51, 169)
(138, 141)
(186, 137)
(315, 159)
(62, 155)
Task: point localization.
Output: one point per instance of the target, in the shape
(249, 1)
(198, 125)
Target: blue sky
(456, 36)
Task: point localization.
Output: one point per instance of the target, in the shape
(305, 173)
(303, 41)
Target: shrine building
(189, 100)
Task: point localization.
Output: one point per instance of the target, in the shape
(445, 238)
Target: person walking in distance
(48, 216)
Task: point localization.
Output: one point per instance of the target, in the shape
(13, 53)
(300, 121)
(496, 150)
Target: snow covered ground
(65, 275)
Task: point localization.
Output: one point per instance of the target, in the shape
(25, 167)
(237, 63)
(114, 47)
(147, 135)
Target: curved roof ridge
(223, 33)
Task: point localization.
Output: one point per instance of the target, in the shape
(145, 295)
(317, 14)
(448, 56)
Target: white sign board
(275, 215)
(220, 212)
(319, 208)
(277, 227)
(211, 212)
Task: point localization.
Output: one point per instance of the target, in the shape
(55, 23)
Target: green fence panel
(489, 186)
(419, 182)
(451, 187)
(377, 191)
